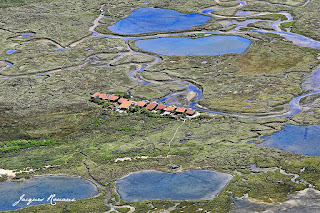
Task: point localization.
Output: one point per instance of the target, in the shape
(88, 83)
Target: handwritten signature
(52, 199)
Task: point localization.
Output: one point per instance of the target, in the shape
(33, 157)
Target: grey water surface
(155, 185)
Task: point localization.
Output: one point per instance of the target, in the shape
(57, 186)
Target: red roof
(180, 109)
(169, 108)
(95, 95)
(151, 106)
(104, 96)
(125, 105)
(122, 100)
(141, 103)
(113, 98)
(190, 111)
(161, 107)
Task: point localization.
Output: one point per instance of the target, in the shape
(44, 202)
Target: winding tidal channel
(146, 20)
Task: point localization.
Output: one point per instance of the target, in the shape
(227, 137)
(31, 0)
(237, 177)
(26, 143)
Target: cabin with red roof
(169, 109)
(122, 100)
(113, 98)
(180, 110)
(151, 106)
(95, 95)
(190, 111)
(126, 105)
(161, 107)
(141, 103)
(104, 96)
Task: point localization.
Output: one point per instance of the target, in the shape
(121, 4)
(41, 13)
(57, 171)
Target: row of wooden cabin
(126, 104)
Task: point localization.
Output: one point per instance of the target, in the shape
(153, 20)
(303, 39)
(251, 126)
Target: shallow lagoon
(147, 20)
(43, 187)
(213, 45)
(155, 185)
(297, 139)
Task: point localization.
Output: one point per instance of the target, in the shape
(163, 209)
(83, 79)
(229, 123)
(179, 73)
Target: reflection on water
(297, 139)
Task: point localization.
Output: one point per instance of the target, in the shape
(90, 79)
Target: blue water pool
(43, 188)
(212, 45)
(147, 20)
(10, 51)
(27, 34)
(154, 185)
(298, 139)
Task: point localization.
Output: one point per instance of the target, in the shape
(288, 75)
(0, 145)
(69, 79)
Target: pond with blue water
(147, 20)
(9, 52)
(181, 46)
(297, 139)
(43, 188)
(155, 185)
(27, 34)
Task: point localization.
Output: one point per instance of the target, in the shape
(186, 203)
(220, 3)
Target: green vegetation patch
(288, 2)
(228, 4)
(154, 92)
(309, 100)
(10, 3)
(134, 59)
(272, 35)
(268, 187)
(272, 58)
(261, 25)
(288, 24)
(16, 145)
(38, 55)
(244, 29)
(308, 169)
(270, 17)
